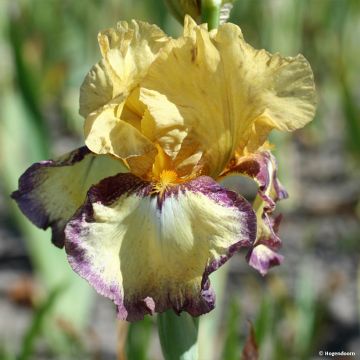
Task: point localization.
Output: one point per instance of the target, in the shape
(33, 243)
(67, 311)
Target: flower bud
(180, 8)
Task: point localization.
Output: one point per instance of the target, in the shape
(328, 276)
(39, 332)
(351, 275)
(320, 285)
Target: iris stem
(178, 336)
(210, 13)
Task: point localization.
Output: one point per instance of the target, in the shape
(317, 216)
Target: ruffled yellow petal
(127, 53)
(96, 90)
(109, 95)
(129, 50)
(217, 88)
(133, 110)
(183, 100)
(107, 134)
(282, 87)
(158, 130)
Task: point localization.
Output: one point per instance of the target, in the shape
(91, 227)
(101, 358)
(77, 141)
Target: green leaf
(37, 324)
(305, 305)
(178, 336)
(351, 111)
(232, 349)
(138, 339)
(27, 85)
(358, 291)
(265, 319)
(4, 354)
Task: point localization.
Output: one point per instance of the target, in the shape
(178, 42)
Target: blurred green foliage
(47, 47)
(37, 325)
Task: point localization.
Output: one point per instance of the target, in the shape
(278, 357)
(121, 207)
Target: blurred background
(310, 303)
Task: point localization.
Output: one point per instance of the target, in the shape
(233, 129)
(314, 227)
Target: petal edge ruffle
(262, 167)
(149, 253)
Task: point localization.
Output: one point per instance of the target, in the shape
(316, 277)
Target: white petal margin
(51, 191)
(149, 253)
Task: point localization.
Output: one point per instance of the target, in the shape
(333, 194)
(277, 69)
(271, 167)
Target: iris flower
(139, 209)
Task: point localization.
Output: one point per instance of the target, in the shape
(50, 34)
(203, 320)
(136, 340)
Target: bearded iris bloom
(138, 209)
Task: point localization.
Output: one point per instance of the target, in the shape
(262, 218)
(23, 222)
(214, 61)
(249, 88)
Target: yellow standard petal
(219, 93)
(96, 90)
(109, 94)
(129, 50)
(110, 135)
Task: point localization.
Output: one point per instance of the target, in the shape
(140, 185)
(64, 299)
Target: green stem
(210, 12)
(178, 336)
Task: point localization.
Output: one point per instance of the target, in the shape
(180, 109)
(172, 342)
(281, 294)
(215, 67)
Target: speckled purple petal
(262, 167)
(50, 191)
(262, 258)
(149, 253)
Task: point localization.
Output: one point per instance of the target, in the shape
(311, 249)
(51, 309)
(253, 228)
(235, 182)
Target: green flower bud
(197, 8)
(180, 8)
